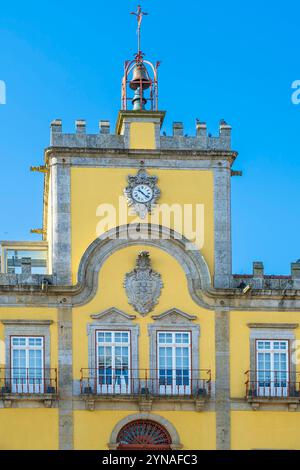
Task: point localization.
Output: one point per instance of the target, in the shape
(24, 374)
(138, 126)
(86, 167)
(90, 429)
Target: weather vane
(140, 76)
(139, 15)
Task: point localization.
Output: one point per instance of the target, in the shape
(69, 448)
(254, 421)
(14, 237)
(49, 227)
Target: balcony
(19, 384)
(145, 386)
(272, 387)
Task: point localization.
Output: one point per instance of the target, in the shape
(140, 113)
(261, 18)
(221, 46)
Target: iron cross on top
(139, 14)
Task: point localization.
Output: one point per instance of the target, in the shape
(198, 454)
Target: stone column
(61, 216)
(65, 378)
(222, 338)
(222, 196)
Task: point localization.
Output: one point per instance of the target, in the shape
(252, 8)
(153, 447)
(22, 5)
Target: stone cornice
(281, 326)
(168, 154)
(27, 322)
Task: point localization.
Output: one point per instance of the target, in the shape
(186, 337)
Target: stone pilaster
(222, 203)
(61, 215)
(222, 336)
(65, 378)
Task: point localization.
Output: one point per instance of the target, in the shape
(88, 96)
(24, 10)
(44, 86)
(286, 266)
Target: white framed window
(113, 356)
(27, 364)
(272, 368)
(174, 362)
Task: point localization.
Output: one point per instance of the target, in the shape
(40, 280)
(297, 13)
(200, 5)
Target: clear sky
(220, 59)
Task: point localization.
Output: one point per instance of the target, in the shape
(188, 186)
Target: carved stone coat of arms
(143, 285)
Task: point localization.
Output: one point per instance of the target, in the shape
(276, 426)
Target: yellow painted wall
(26, 313)
(29, 429)
(112, 294)
(240, 342)
(265, 430)
(197, 431)
(142, 135)
(91, 187)
(92, 430)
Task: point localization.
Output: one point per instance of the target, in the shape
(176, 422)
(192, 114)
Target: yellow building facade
(125, 327)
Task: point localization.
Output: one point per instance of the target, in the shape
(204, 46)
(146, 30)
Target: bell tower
(139, 119)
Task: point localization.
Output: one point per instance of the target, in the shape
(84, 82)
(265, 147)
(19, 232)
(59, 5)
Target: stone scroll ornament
(142, 193)
(143, 285)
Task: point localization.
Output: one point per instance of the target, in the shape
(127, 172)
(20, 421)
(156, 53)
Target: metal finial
(139, 15)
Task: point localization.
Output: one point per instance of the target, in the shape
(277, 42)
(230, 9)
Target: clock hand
(143, 193)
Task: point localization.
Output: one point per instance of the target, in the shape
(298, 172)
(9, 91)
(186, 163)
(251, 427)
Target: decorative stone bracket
(257, 404)
(10, 399)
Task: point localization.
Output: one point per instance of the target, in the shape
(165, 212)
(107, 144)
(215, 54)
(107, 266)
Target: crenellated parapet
(80, 139)
(259, 280)
(105, 139)
(201, 141)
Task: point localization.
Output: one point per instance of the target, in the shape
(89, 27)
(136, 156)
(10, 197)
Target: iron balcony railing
(147, 383)
(28, 381)
(272, 384)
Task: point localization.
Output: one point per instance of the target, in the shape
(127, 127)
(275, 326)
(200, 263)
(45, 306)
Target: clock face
(142, 193)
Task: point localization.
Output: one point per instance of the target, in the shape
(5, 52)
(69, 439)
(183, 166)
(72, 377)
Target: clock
(142, 192)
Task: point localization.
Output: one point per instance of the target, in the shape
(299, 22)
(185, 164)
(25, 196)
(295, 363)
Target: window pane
(108, 337)
(118, 337)
(169, 338)
(161, 338)
(186, 338)
(100, 337)
(125, 337)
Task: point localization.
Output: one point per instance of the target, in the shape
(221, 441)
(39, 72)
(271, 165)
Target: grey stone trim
(272, 333)
(280, 326)
(265, 283)
(65, 378)
(268, 405)
(174, 321)
(113, 320)
(192, 262)
(113, 314)
(133, 404)
(176, 444)
(152, 159)
(27, 328)
(222, 226)
(61, 227)
(222, 343)
(26, 280)
(27, 322)
(173, 315)
(28, 402)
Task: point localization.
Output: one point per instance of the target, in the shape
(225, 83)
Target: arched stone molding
(176, 444)
(191, 261)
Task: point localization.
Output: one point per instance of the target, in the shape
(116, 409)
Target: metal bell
(140, 77)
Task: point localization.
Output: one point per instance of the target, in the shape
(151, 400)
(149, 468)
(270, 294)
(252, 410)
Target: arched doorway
(143, 435)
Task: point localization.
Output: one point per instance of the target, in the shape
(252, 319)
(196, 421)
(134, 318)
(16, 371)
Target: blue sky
(231, 60)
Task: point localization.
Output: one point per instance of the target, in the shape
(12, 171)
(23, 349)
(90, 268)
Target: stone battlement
(259, 280)
(105, 139)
